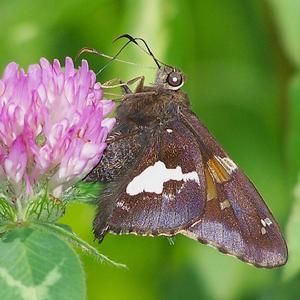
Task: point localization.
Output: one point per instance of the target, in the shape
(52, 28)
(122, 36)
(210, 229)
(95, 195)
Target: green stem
(20, 210)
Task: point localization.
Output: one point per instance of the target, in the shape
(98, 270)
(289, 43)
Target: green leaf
(287, 16)
(7, 212)
(293, 134)
(84, 192)
(46, 208)
(66, 233)
(293, 146)
(36, 265)
(293, 241)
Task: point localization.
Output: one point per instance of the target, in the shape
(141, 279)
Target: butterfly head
(169, 78)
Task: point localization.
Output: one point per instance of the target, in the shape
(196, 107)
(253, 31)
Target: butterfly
(168, 175)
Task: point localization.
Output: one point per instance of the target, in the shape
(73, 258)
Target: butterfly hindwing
(167, 190)
(236, 219)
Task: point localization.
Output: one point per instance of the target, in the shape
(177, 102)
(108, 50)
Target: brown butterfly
(167, 175)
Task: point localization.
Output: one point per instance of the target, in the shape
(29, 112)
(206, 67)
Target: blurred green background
(242, 60)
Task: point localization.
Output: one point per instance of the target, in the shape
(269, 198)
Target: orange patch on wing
(211, 187)
(217, 171)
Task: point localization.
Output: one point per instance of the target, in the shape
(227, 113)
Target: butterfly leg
(125, 85)
(125, 88)
(140, 85)
(112, 83)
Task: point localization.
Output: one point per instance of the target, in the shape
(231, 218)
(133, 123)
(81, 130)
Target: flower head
(52, 125)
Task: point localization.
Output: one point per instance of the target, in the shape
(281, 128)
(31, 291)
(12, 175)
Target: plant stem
(20, 210)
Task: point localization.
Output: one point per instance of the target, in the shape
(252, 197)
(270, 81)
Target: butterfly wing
(164, 192)
(236, 220)
(125, 143)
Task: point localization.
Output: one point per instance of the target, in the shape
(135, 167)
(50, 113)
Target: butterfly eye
(174, 79)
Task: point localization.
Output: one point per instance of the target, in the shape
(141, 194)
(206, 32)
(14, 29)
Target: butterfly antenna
(95, 52)
(114, 57)
(150, 52)
(134, 40)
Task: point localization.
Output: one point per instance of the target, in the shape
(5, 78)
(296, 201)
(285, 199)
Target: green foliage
(293, 136)
(293, 267)
(45, 208)
(287, 14)
(240, 59)
(65, 232)
(84, 192)
(37, 265)
(293, 146)
(7, 212)
(36, 245)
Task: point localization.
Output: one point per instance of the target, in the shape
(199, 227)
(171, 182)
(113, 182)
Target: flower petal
(52, 121)
(16, 161)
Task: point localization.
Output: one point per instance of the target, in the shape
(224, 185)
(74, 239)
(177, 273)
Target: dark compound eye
(174, 79)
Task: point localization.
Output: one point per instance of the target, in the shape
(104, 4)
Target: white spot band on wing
(227, 164)
(152, 179)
